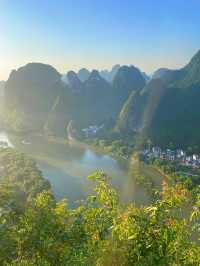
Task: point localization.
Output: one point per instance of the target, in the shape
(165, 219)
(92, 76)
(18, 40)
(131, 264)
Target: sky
(96, 34)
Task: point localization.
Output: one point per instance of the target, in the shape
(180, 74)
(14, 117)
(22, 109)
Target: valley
(67, 164)
(99, 133)
(91, 113)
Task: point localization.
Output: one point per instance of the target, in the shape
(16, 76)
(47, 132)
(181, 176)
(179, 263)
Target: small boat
(25, 142)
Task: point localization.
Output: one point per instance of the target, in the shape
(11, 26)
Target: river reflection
(67, 166)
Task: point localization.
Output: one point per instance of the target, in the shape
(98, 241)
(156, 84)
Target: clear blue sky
(70, 34)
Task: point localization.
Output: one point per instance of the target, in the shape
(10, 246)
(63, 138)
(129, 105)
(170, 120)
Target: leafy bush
(100, 231)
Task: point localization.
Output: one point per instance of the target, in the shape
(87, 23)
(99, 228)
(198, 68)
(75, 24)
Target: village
(92, 130)
(179, 156)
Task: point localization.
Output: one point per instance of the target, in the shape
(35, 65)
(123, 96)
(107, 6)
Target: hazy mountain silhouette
(167, 109)
(83, 74)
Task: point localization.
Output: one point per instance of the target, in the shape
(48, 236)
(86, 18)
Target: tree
(101, 231)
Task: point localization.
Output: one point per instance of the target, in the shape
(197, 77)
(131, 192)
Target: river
(67, 165)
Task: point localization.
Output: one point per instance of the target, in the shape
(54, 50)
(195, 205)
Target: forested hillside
(164, 109)
(38, 98)
(167, 109)
(37, 230)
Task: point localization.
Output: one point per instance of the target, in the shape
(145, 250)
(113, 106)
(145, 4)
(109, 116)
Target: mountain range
(83, 74)
(164, 108)
(45, 99)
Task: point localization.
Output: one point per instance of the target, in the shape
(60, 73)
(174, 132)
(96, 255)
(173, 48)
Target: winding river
(67, 165)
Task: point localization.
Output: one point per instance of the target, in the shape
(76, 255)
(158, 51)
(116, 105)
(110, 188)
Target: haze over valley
(124, 100)
(99, 133)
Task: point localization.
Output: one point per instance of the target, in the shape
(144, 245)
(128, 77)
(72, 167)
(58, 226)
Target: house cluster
(178, 155)
(92, 130)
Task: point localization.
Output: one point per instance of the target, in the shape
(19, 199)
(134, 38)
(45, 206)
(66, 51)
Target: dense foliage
(117, 147)
(37, 230)
(177, 173)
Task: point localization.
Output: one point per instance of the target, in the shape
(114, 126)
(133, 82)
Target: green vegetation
(113, 142)
(44, 100)
(166, 110)
(31, 91)
(13, 121)
(37, 230)
(177, 173)
(127, 80)
(117, 148)
(37, 99)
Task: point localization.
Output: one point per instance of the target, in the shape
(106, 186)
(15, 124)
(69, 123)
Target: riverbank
(55, 153)
(83, 144)
(144, 174)
(67, 167)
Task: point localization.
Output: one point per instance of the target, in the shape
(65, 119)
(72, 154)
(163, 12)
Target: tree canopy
(35, 229)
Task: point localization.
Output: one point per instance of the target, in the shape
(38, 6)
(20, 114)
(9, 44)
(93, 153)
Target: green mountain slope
(140, 107)
(90, 104)
(127, 80)
(169, 112)
(31, 91)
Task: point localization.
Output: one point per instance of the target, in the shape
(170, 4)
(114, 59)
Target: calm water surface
(67, 166)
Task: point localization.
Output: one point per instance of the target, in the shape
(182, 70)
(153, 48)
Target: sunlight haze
(97, 34)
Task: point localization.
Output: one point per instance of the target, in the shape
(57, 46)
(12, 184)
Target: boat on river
(25, 142)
